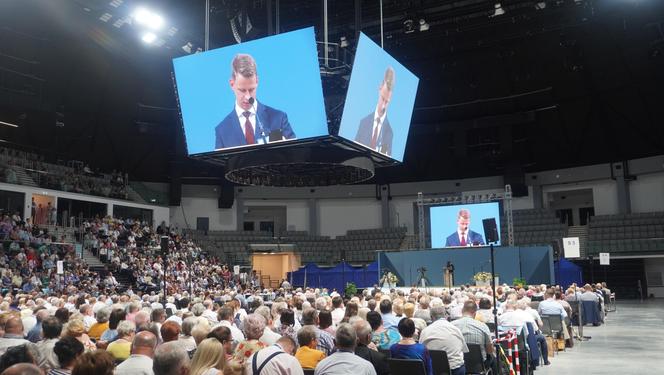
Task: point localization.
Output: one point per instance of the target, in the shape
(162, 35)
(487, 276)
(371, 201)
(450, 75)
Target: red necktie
(463, 240)
(374, 138)
(248, 130)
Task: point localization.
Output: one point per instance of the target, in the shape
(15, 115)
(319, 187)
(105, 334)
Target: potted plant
(351, 290)
(482, 278)
(519, 282)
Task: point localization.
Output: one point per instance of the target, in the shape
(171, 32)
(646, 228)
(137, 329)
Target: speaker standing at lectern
(449, 274)
(463, 235)
(250, 122)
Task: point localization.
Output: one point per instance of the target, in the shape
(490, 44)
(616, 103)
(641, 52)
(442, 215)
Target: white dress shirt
(343, 362)
(443, 335)
(282, 364)
(378, 123)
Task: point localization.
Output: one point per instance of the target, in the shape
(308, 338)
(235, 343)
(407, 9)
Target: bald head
(14, 326)
(144, 343)
(23, 369)
(41, 314)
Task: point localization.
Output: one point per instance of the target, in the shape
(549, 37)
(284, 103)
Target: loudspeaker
(164, 245)
(226, 196)
(175, 192)
(490, 230)
(515, 177)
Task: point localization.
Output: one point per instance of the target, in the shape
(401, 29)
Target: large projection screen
(449, 222)
(380, 100)
(283, 100)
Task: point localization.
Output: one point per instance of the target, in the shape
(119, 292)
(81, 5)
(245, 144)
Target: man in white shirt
(225, 317)
(13, 335)
(338, 310)
(442, 335)
(269, 336)
(344, 360)
(276, 359)
(88, 316)
(142, 353)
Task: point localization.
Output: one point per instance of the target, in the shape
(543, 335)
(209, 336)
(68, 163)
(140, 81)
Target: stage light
(408, 26)
(188, 47)
(343, 42)
(540, 5)
(105, 17)
(424, 26)
(116, 3)
(498, 10)
(147, 18)
(149, 37)
(8, 124)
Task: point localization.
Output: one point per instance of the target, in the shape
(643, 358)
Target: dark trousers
(459, 370)
(545, 348)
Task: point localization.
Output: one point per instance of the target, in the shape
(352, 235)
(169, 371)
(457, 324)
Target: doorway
(43, 210)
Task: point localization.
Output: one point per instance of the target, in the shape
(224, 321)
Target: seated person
(307, 354)
(408, 348)
(383, 338)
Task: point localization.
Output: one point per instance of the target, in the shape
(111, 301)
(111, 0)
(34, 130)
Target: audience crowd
(211, 322)
(76, 177)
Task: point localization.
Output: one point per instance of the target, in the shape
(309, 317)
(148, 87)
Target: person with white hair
(170, 359)
(254, 326)
(187, 341)
(269, 336)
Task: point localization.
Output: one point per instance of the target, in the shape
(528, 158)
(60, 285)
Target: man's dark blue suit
(229, 132)
(365, 133)
(473, 238)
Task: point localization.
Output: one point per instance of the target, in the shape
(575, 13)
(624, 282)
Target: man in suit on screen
(250, 122)
(463, 235)
(375, 131)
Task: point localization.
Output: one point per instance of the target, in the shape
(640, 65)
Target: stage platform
(534, 264)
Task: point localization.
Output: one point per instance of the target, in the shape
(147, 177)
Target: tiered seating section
(534, 227)
(359, 246)
(27, 168)
(629, 233)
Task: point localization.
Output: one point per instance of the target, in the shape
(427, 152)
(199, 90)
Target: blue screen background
(288, 80)
(368, 72)
(444, 220)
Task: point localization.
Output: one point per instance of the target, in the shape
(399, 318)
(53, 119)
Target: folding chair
(439, 362)
(556, 324)
(387, 352)
(546, 326)
(406, 366)
(474, 362)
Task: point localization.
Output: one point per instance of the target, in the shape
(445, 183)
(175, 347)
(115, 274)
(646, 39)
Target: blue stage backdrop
(335, 277)
(369, 71)
(288, 80)
(535, 264)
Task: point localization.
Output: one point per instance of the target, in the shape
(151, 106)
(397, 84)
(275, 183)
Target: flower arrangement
(390, 279)
(482, 276)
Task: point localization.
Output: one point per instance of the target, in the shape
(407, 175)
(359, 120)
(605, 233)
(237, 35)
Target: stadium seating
(534, 227)
(626, 233)
(359, 246)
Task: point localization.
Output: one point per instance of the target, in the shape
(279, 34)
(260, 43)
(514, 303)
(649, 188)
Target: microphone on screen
(252, 101)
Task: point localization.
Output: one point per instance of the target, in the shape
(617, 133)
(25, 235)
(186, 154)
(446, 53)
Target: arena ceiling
(546, 84)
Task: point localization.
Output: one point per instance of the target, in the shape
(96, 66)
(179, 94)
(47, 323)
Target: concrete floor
(631, 342)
